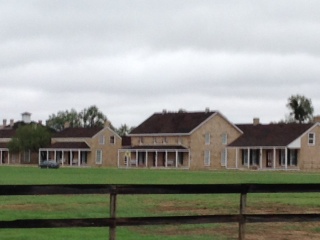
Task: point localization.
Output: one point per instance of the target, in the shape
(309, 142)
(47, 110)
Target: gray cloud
(132, 58)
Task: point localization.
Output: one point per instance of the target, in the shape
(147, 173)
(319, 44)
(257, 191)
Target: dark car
(49, 164)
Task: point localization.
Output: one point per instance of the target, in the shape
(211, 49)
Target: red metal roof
(172, 123)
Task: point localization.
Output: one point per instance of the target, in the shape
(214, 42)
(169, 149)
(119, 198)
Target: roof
(3, 145)
(159, 147)
(77, 132)
(7, 133)
(269, 135)
(172, 123)
(69, 145)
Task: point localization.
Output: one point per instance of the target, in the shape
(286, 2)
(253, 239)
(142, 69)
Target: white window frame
(98, 156)
(207, 158)
(224, 156)
(245, 156)
(311, 139)
(207, 138)
(224, 138)
(102, 140)
(112, 140)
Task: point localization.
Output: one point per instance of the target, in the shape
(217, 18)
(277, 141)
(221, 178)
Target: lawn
(83, 206)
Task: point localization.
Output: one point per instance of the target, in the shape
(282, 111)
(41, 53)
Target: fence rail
(114, 190)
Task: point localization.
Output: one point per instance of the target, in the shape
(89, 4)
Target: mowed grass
(90, 206)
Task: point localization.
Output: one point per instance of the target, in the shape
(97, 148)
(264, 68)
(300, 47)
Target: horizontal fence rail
(120, 189)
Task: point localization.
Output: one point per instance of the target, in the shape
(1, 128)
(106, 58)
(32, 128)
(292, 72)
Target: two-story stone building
(188, 140)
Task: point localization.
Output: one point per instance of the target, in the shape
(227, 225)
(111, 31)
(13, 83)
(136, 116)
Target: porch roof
(155, 147)
(69, 145)
(269, 135)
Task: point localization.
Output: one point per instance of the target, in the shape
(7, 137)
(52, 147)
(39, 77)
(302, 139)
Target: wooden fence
(114, 190)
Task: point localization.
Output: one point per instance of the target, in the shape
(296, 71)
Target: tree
(301, 108)
(30, 137)
(88, 117)
(92, 117)
(58, 121)
(124, 130)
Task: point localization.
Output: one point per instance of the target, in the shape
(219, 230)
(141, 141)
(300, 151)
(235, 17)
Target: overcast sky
(134, 58)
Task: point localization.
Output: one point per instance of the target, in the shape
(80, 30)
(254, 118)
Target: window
(282, 157)
(141, 140)
(293, 157)
(224, 138)
(180, 140)
(224, 155)
(207, 158)
(311, 139)
(207, 138)
(99, 157)
(164, 140)
(245, 157)
(112, 140)
(102, 140)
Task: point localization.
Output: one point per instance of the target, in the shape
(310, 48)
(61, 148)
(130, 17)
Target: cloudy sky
(133, 58)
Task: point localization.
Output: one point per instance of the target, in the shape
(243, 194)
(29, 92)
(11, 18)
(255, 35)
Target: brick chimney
(256, 121)
(4, 123)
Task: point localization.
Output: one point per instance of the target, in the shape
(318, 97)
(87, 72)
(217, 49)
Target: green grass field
(87, 206)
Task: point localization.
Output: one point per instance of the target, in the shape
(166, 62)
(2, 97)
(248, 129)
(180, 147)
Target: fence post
(113, 209)
(242, 221)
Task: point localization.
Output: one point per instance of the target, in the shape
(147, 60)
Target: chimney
(4, 123)
(11, 122)
(107, 123)
(256, 121)
(26, 117)
(207, 110)
(164, 111)
(66, 125)
(40, 122)
(316, 119)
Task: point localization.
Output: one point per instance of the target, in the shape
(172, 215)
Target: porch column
(156, 160)
(8, 157)
(166, 158)
(260, 158)
(137, 158)
(189, 158)
(79, 158)
(176, 158)
(71, 158)
(47, 155)
(237, 158)
(39, 157)
(286, 158)
(248, 158)
(146, 159)
(1, 157)
(274, 158)
(62, 157)
(55, 155)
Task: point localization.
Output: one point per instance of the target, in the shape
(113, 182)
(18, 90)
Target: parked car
(49, 164)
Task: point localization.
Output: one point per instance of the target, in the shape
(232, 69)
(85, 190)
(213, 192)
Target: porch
(265, 158)
(66, 153)
(154, 157)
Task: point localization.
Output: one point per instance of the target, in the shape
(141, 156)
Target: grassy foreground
(80, 206)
